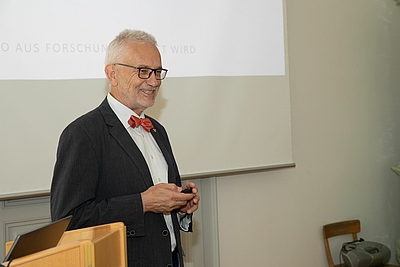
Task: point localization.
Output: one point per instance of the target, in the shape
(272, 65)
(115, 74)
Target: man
(116, 164)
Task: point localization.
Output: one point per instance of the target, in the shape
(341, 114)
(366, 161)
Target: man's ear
(110, 73)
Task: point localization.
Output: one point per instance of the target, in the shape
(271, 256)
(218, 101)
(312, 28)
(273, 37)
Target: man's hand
(164, 198)
(193, 204)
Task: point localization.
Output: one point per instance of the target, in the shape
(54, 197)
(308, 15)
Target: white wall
(344, 61)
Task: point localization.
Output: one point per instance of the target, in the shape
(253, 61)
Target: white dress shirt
(151, 151)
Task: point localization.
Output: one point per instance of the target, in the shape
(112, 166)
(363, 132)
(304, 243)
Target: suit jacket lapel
(117, 130)
(166, 153)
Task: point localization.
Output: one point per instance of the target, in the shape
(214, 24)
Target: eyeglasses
(145, 73)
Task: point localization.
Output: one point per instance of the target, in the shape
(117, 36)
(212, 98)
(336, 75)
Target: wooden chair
(351, 227)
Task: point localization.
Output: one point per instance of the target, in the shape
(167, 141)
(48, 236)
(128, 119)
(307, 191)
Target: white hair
(115, 50)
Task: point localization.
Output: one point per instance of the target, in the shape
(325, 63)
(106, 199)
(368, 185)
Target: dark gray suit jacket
(98, 177)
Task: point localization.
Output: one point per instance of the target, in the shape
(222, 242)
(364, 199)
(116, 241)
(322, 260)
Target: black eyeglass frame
(163, 71)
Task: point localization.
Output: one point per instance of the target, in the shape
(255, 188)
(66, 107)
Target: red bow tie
(136, 122)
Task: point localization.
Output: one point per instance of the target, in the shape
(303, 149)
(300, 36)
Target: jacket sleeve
(75, 183)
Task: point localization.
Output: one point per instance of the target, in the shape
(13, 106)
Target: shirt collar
(123, 112)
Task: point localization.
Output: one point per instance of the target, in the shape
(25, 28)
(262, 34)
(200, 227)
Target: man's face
(136, 93)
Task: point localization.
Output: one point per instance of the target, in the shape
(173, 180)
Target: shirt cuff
(185, 222)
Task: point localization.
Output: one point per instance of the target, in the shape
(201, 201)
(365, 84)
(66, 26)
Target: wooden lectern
(98, 246)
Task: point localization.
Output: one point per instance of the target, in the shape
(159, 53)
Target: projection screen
(225, 102)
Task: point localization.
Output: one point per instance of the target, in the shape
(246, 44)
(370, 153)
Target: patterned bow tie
(136, 122)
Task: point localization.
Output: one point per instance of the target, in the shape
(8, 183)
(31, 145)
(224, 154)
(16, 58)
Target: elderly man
(116, 164)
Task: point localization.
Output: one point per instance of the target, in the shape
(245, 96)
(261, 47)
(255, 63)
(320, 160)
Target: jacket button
(130, 233)
(165, 232)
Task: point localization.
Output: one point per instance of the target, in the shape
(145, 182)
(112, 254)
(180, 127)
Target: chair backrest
(339, 228)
